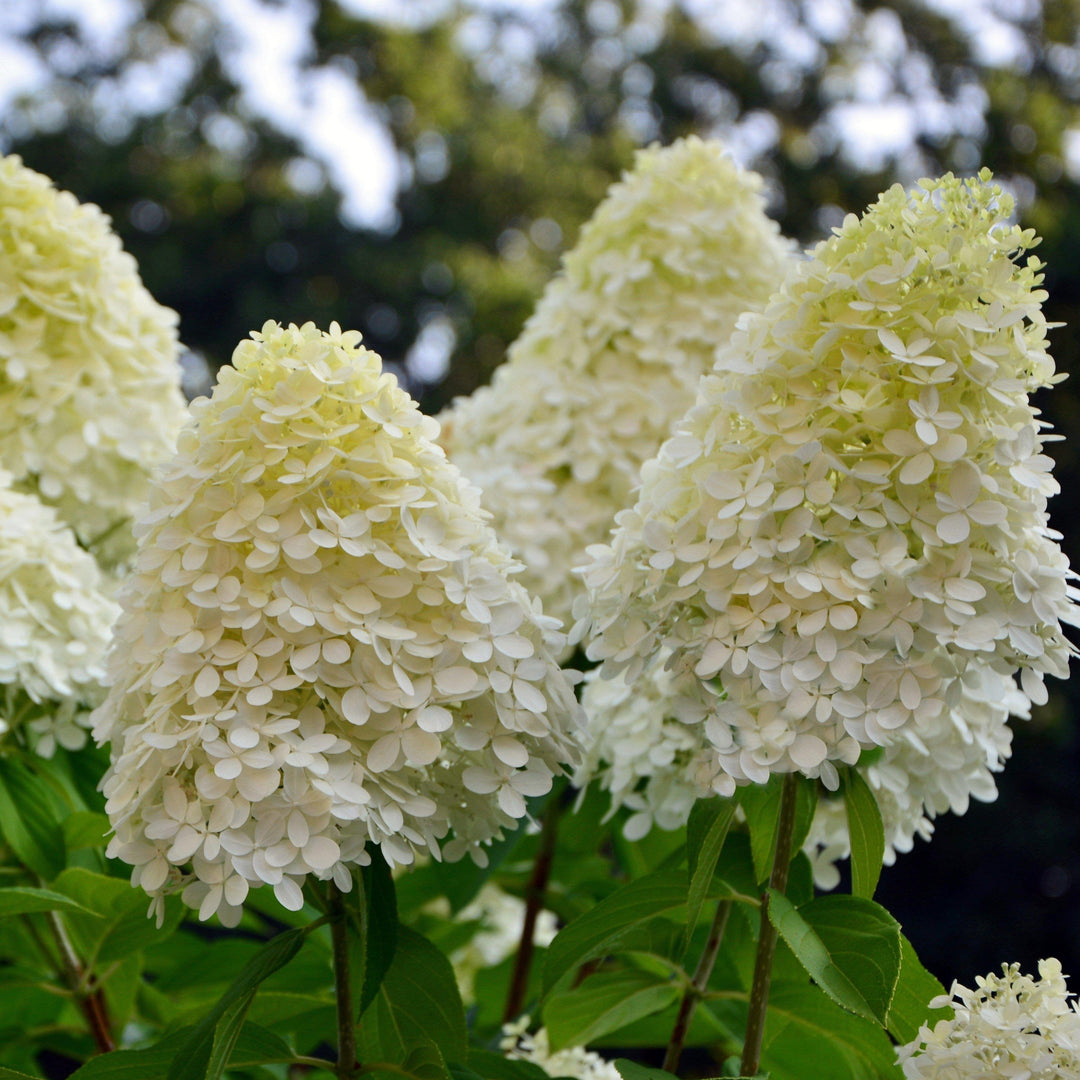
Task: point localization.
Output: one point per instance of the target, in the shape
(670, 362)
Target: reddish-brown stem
(759, 989)
(698, 985)
(535, 894)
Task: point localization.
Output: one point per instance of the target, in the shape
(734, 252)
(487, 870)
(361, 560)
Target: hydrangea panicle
(89, 379)
(55, 615)
(611, 356)
(851, 521)
(320, 645)
(1012, 1027)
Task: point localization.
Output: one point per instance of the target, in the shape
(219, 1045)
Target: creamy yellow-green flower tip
(55, 615)
(1012, 1026)
(853, 515)
(89, 381)
(320, 646)
(610, 359)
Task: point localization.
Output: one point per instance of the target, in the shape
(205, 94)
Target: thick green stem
(535, 894)
(90, 999)
(759, 989)
(346, 1021)
(698, 985)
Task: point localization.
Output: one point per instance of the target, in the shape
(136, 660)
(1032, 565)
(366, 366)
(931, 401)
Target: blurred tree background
(482, 136)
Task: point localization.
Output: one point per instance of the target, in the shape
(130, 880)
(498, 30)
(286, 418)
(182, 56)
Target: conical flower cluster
(853, 515)
(320, 646)
(89, 382)
(610, 359)
(55, 616)
(1012, 1026)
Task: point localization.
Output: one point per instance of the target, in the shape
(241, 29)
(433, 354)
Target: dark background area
(512, 125)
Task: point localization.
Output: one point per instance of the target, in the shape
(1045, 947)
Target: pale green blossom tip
(851, 521)
(678, 249)
(90, 394)
(320, 646)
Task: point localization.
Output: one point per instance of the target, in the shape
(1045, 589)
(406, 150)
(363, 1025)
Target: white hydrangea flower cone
(610, 359)
(90, 394)
(320, 646)
(55, 616)
(854, 512)
(1012, 1027)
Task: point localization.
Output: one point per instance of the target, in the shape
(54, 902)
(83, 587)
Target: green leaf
(22, 900)
(226, 1032)
(492, 1066)
(119, 925)
(380, 927)
(867, 834)
(915, 989)
(848, 945)
(11, 1074)
(631, 1070)
(807, 1037)
(597, 932)
(84, 829)
(29, 819)
(706, 832)
(761, 804)
(418, 1003)
(194, 1057)
(603, 1003)
(255, 1046)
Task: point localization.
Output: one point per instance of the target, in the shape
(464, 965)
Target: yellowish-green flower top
(610, 359)
(89, 381)
(852, 518)
(320, 645)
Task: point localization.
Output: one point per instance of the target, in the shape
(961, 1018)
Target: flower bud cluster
(90, 394)
(320, 646)
(853, 515)
(611, 356)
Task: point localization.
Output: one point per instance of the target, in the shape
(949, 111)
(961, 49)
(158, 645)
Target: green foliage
(706, 831)
(867, 833)
(605, 1002)
(849, 946)
(417, 1003)
(209, 1045)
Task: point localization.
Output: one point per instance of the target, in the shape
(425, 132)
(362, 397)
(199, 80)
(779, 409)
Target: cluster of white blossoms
(571, 1061)
(90, 394)
(647, 745)
(320, 646)
(501, 917)
(611, 356)
(853, 514)
(1013, 1027)
(926, 773)
(55, 615)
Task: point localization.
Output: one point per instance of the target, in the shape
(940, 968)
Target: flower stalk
(698, 985)
(346, 1021)
(535, 894)
(759, 989)
(89, 998)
